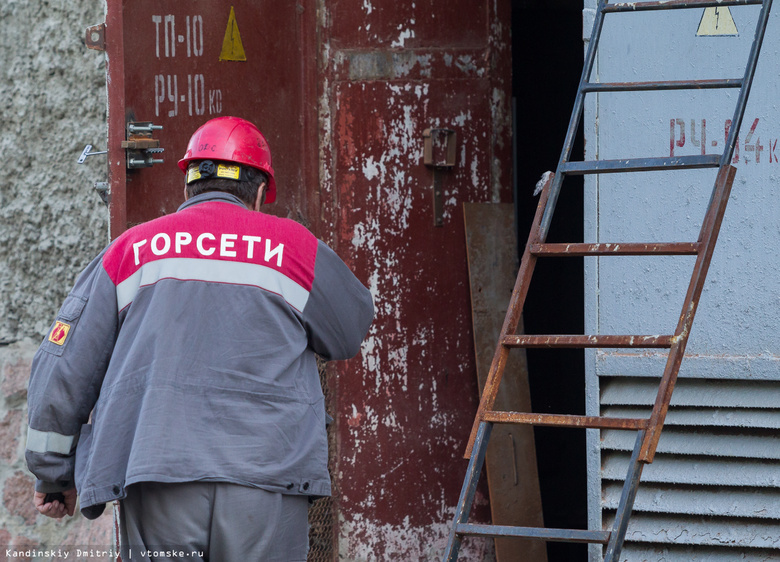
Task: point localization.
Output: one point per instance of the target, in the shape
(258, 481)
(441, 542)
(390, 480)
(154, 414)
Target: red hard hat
(232, 139)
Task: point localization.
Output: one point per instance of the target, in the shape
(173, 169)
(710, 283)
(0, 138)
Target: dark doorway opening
(547, 52)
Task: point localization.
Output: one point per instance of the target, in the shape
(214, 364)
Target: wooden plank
(511, 469)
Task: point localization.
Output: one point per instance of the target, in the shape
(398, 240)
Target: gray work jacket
(191, 341)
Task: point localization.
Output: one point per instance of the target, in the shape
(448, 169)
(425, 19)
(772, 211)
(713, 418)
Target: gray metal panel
(708, 531)
(738, 444)
(712, 492)
(695, 501)
(731, 394)
(760, 365)
(711, 417)
(667, 552)
(701, 471)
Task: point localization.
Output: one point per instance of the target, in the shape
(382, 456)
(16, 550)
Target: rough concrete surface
(52, 100)
(53, 103)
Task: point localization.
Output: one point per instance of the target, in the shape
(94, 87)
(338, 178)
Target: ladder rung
(661, 86)
(562, 535)
(561, 420)
(675, 5)
(624, 249)
(641, 164)
(596, 341)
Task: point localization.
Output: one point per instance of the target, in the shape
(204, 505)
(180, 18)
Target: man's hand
(56, 508)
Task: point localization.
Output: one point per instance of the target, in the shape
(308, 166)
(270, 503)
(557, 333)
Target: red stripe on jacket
(217, 231)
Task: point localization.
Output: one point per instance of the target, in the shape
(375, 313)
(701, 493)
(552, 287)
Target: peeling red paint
(355, 419)
(404, 407)
(378, 24)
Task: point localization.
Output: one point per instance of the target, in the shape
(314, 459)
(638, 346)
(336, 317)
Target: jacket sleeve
(339, 310)
(67, 372)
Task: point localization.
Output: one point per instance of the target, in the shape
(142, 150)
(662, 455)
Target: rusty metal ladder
(649, 429)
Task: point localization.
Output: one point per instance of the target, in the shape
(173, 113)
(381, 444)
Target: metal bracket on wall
(104, 191)
(140, 146)
(95, 37)
(439, 155)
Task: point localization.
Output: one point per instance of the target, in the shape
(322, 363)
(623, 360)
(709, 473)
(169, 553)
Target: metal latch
(88, 152)
(141, 148)
(439, 154)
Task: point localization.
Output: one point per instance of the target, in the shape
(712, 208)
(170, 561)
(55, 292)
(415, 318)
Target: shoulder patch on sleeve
(65, 324)
(59, 333)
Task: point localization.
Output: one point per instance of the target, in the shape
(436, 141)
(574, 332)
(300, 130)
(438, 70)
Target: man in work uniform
(180, 378)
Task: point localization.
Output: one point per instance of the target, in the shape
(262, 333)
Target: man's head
(229, 154)
(245, 182)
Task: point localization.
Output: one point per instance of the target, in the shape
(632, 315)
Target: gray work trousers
(211, 521)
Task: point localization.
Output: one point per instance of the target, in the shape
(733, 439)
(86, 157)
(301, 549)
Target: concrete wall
(52, 102)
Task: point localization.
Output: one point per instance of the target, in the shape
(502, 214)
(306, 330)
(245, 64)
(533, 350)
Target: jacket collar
(212, 196)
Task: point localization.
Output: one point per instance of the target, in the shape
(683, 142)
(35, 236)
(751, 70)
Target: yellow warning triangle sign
(717, 21)
(232, 47)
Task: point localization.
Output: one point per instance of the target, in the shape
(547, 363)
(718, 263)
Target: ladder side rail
(511, 320)
(468, 491)
(709, 237)
(747, 82)
(626, 503)
(574, 121)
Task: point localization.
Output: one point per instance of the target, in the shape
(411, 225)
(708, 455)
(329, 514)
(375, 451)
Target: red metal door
(393, 70)
(178, 64)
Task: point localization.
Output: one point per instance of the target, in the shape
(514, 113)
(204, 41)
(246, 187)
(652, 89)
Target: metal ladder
(649, 429)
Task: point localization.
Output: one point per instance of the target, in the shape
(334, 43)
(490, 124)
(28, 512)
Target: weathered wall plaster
(53, 104)
(52, 99)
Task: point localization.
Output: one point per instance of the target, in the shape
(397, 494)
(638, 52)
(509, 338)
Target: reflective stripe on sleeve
(49, 442)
